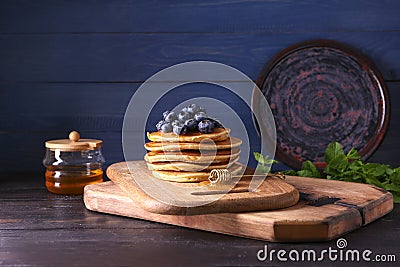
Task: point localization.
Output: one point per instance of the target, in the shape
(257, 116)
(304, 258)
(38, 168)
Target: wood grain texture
(111, 58)
(220, 16)
(109, 198)
(38, 228)
(358, 205)
(53, 107)
(103, 51)
(26, 122)
(135, 179)
(40, 43)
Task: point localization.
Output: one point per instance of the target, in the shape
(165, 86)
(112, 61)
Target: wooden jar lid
(74, 143)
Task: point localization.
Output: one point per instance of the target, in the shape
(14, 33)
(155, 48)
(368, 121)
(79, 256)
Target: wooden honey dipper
(224, 176)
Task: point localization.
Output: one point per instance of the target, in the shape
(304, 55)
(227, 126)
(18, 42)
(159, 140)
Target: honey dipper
(224, 176)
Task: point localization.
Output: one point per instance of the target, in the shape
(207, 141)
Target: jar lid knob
(74, 136)
(73, 143)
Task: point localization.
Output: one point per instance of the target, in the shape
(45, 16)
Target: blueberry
(176, 122)
(184, 116)
(184, 130)
(185, 109)
(159, 124)
(202, 110)
(199, 116)
(217, 123)
(166, 128)
(180, 129)
(193, 108)
(206, 126)
(165, 113)
(170, 117)
(191, 124)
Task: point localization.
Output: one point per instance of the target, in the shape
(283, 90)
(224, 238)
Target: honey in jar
(72, 163)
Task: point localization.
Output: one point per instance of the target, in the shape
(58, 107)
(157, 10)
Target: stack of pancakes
(191, 157)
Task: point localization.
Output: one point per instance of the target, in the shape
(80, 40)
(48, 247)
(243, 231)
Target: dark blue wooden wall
(75, 64)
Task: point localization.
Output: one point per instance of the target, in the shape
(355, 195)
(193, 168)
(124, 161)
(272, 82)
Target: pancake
(189, 177)
(187, 166)
(219, 134)
(194, 156)
(175, 146)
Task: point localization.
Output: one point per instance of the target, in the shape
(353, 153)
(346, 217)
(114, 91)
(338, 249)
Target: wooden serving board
(164, 197)
(327, 209)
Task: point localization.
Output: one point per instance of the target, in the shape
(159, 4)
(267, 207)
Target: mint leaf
(345, 167)
(391, 187)
(306, 173)
(374, 181)
(353, 154)
(337, 164)
(308, 169)
(269, 161)
(356, 166)
(395, 177)
(263, 169)
(380, 170)
(375, 169)
(332, 151)
(396, 197)
(389, 171)
(264, 162)
(258, 157)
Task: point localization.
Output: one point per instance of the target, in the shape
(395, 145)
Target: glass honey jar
(72, 163)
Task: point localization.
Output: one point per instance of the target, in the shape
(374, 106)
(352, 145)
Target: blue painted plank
(28, 150)
(65, 99)
(123, 41)
(25, 138)
(54, 16)
(135, 57)
(57, 108)
(25, 151)
(50, 107)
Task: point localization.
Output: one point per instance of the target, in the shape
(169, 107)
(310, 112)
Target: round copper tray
(323, 91)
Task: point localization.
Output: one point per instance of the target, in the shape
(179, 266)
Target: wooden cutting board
(308, 220)
(327, 209)
(134, 178)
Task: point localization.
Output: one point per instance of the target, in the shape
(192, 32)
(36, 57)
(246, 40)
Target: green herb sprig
(349, 167)
(264, 162)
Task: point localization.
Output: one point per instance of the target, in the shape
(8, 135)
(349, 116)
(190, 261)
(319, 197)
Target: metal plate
(323, 91)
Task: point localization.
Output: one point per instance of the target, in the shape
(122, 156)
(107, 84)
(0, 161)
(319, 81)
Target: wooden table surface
(38, 228)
